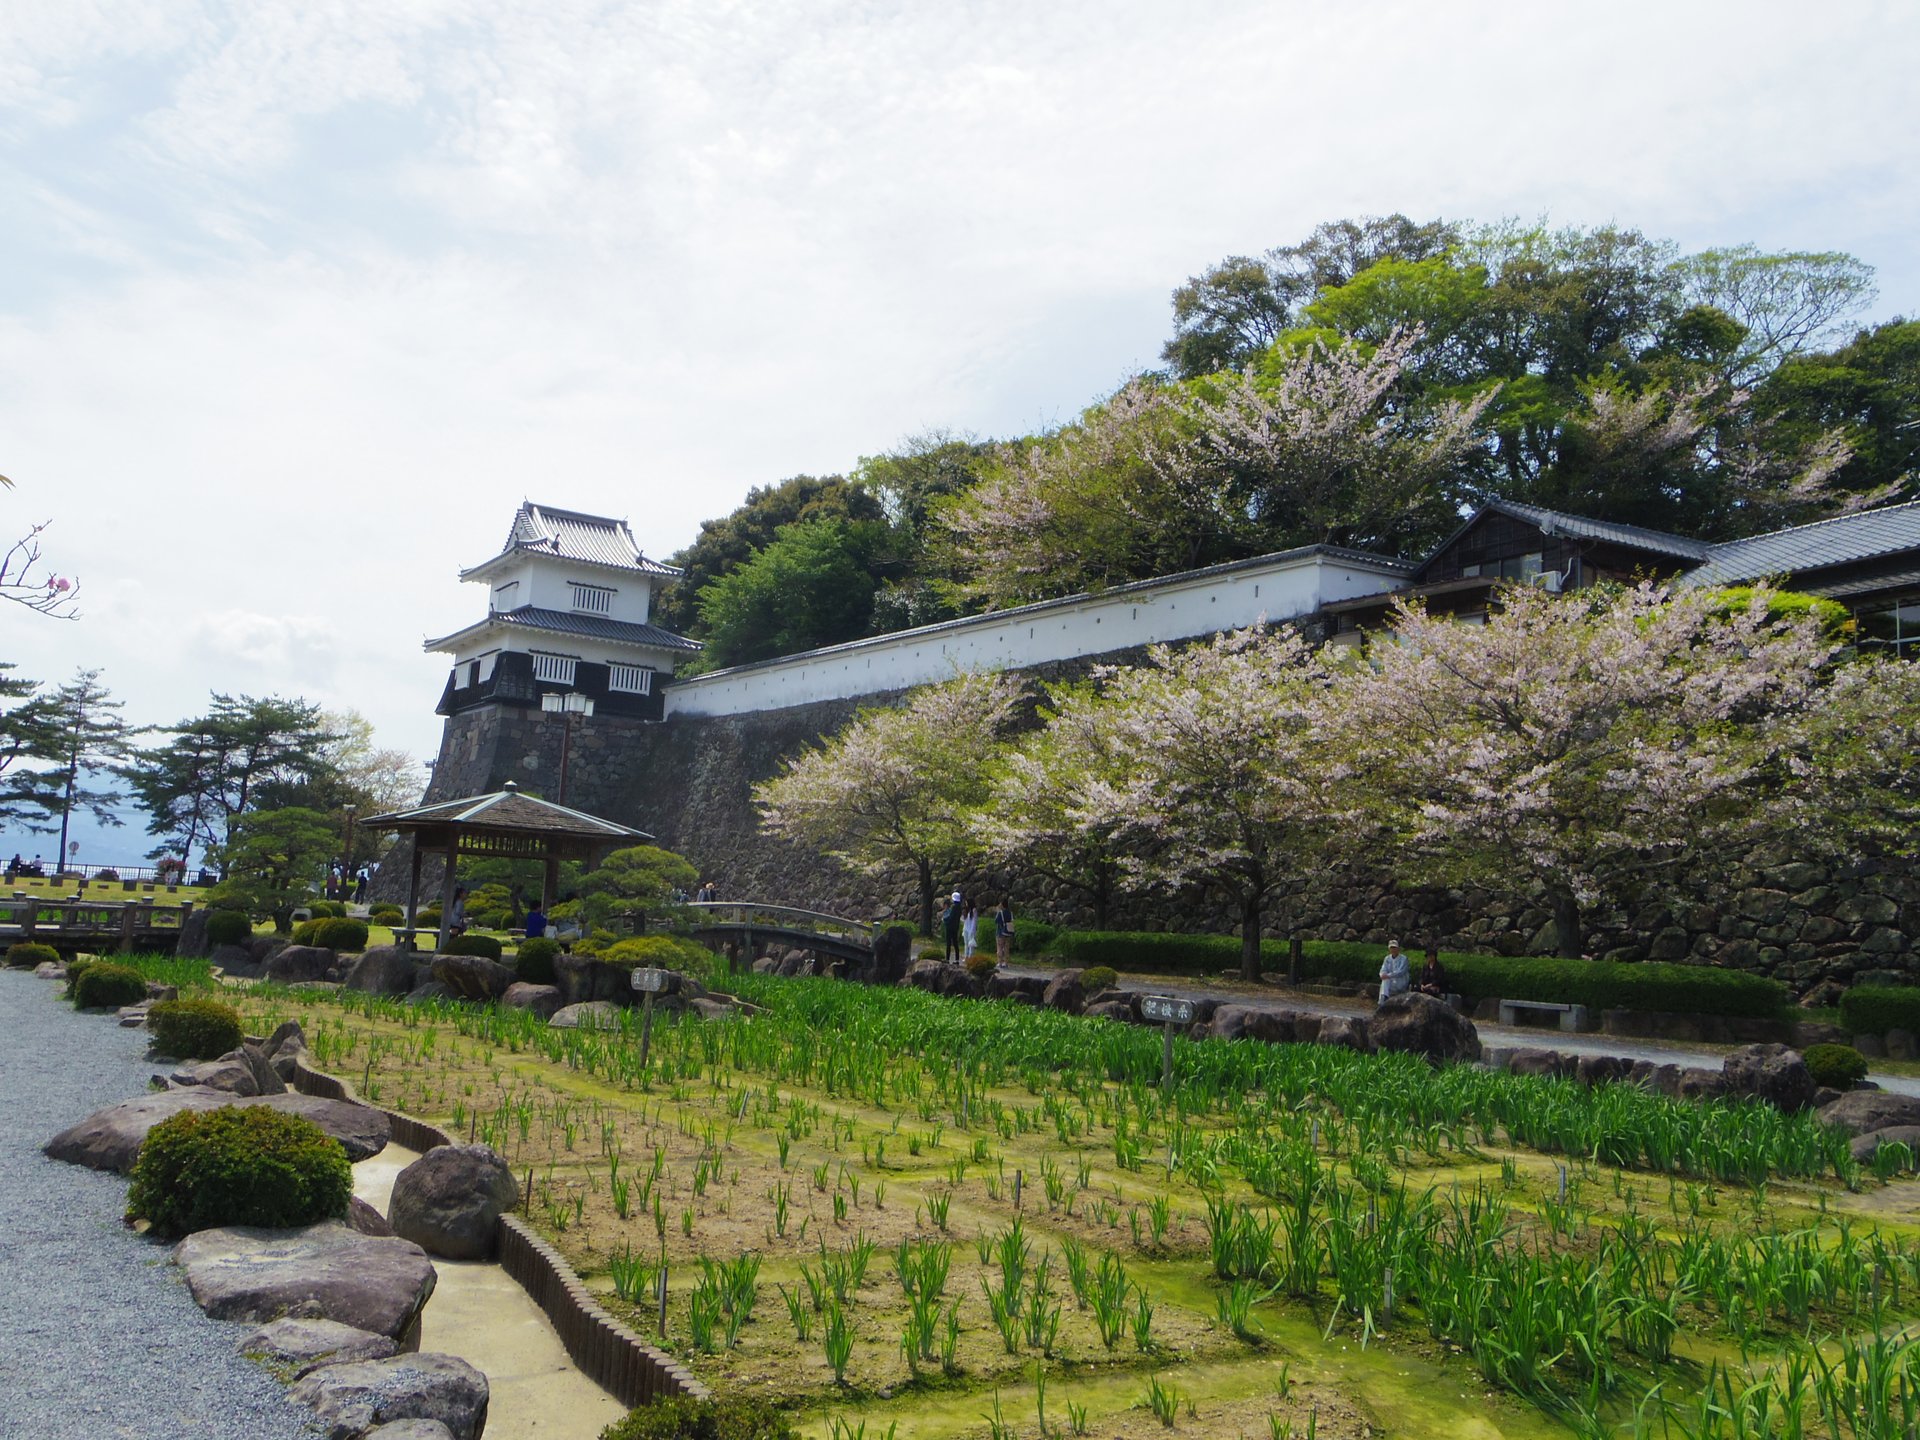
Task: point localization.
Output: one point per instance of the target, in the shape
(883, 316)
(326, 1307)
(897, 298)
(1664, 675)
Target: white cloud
(298, 300)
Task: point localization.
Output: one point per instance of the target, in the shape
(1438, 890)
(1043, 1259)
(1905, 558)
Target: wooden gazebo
(504, 825)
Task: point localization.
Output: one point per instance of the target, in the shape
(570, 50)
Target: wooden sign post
(1170, 1013)
(649, 982)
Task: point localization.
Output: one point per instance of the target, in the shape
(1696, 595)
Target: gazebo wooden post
(447, 888)
(413, 892)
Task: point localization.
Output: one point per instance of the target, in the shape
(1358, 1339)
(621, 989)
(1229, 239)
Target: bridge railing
(31, 916)
(750, 914)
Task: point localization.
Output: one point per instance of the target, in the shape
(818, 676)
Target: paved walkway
(1660, 1052)
(99, 1339)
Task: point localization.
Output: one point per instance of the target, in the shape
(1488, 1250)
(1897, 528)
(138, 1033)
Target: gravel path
(99, 1339)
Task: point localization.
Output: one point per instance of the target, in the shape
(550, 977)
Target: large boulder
(1065, 992)
(1248, 1022)
(235, 960)
(192, 943)
(111, 1137)
(892, 953)
(297, 964)
(1110, 1010)
(943, 979)
(1774, 1073)
(245, 1071)
(326, 1271)
(1529, 1060)
(543, 1000)
(1349, 1031)
(302, 1346)
(1859, 1112)
(448, 1201)
(1603, 1069)
(582, 979)
(588, 1015)
(472, 977)
(286, 1048)
(1415, 1024)
(383, 970)
(1866, 1147)
(353, 1399)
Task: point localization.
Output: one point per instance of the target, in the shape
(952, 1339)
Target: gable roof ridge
(1850, 517)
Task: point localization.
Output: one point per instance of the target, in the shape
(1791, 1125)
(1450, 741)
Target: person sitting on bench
(1433, 976)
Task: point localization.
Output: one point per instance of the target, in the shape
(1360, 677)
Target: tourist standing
(970, 930)
(1395, 972)
(457, 917)
(950, 923)
(1003, 931)
(360, 885)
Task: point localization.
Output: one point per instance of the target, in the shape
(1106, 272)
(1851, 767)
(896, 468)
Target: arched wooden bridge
(752, 927)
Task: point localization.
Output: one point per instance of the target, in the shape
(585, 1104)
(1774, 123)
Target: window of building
(592, 599)
(556, 669)
(629, 679)
(506, 596)
(1892, 624)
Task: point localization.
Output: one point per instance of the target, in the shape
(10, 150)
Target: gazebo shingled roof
(505, 825)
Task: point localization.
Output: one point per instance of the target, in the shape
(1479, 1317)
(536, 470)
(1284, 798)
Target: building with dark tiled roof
(1869, 561)
(568, 623)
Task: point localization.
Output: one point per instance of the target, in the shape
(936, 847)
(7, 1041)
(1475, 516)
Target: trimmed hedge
(681, 1418)
(228, 927)
(338, 933)
(194, 1029)
(1840, 1066)
(1876, 1009)
(26, 954)
(533, 961)
(238, 1166)
(108, 987)
(1030, 937)
(1599, 985)
(482, 945)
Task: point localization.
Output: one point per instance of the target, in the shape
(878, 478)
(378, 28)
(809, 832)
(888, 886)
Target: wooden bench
(1569, 1017)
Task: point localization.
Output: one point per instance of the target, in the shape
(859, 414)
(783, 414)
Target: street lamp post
(346, 862)
(572, 707)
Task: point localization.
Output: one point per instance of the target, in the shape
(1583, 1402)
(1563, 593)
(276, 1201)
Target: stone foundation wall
(689, 782)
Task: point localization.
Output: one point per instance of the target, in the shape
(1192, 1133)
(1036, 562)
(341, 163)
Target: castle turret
(567, 625)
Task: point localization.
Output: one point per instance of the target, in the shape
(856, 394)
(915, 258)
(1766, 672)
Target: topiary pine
(108, 987)
(238, 1166)
(228, 927)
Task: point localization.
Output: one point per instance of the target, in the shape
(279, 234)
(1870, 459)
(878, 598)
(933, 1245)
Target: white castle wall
(1199, 602)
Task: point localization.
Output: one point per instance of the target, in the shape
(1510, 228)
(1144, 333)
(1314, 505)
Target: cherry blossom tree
(894, 789)
(1588, 744)
(1225, 770)
(1034, 818)
(25, 580)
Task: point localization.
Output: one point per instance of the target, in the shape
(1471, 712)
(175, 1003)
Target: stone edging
(607, 1352)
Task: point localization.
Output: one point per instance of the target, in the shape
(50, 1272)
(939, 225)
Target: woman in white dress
(969, 931)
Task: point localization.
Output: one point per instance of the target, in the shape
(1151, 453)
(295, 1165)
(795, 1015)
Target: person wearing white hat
(950, 921)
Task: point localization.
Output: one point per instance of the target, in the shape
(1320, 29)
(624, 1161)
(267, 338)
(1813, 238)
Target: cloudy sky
(300, 298)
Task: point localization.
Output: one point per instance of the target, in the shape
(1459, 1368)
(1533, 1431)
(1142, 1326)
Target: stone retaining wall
(689, 783)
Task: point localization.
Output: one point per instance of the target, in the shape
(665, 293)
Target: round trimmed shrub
(681, 1418)
(238, 1166)
(429, 918)
(194, 1029)
(494, 920)
(1840, 1066)
(386, 915)
(25, 954)
(228, 927)
(485, 946)
(77, 967)
(533, 961)
(307, 932)
(108, 987)
(663, 952)
(981, 966)
(339, 933)
(1096, 978)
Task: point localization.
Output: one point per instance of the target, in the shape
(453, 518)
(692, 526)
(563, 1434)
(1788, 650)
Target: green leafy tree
(85, 739)
(27, 733)
(812, 585)
(892, 791)
(275, 860)
(1869, 391)
(733, 539)
(637, 881)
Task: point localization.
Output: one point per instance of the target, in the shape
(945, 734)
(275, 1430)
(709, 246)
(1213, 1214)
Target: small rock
(324, 1271)
(368, 1221)
(50, 970)
(306, 1345)
(1530, 1060)
(1865, 1147)
(588, 1015)
(449, 1200)
(353, 1399)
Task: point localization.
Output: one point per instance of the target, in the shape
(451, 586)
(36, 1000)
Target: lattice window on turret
(630, 679)
(558, 669)
(592, 599)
